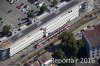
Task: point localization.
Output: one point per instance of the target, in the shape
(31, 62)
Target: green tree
(68, 41)
(68, 48)
(80, 44)
(43, 8)
(60, 54)
(55, 2)
(30, 14)
(6, 29)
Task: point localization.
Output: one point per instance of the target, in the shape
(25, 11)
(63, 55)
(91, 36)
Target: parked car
(18, 7)
(11, 1)
(21, 5)
(9, 34)
(26, 9)
(9, 11)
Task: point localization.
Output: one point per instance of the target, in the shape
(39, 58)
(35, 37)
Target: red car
(18, 7)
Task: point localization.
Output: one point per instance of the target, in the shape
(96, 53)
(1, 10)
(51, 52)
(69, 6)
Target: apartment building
(91, 38)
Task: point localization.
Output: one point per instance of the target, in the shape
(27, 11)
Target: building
(45, 59)
(53, 21)
(88, 5)
(91, 38)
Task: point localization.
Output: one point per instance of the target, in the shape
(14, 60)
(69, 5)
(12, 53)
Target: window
(92, 52)
(93, 49)
(92, 55)
(70, 11)
(97, 54)
(97, 51)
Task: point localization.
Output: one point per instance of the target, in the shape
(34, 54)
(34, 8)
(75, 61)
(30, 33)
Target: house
(44, 59)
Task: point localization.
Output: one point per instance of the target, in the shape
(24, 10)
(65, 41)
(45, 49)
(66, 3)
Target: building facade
(91, 38)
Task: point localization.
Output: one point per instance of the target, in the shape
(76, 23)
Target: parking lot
(12, 15)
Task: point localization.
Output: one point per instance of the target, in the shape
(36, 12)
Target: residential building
(45, 59)
(91, 38)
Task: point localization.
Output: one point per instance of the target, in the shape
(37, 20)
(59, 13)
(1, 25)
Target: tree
(68, 48)
(6, 29)
(80, 44)
(68, 41)
(30, 14)
(43, 8)
(55, 2)
(60, 54)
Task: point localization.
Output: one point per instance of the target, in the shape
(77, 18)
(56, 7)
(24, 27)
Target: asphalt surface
(16, 15)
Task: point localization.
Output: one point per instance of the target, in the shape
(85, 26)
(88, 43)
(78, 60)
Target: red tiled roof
(93, 36)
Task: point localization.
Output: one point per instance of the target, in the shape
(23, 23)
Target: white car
(24, 11)
(28, 8)
(40, 4)
(11, 1)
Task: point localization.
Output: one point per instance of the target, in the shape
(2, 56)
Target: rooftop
(41, 59)
(36, 63)
(93, 36)
(44, 57)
